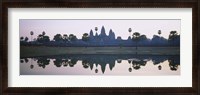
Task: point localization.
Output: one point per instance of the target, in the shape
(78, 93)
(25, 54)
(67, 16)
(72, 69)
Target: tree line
(136, 37)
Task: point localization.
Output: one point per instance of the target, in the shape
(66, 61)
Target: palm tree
(136, 66)
(130, 69)
(31, 34)
(26, 39)
(159, 32)
(31, 66)
(58, 37)
(159, 67)
(85, 64)
(85, 37)
(96, 70)
(96, 28)
(43, 33)
(130, 30)
(21, 38)
(65, 63)
(65, 37)
(72, 37)
(136, 36)
(173, 35)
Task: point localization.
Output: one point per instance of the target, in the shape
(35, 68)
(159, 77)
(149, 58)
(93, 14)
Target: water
(101, 64)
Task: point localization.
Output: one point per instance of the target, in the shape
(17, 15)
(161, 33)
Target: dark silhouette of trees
(135, 37)
(88, 61)
(65, 62)
(85, 37)
(142, 37)
(42, 62)
(21, 61)
(85, 64)
(72, 37)
(119, 60)
(21, 38)
(172, 36)
(103, 40)
(72, 62)
(26, 39)
(42, 38)
(58, 38)
(58, 62)
(136, 66)
(173, 64)
(65, 37)
(26, 60)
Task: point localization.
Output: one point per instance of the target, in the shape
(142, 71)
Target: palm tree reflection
(137, 63)
(26, 60)
(173, 63)
(72, 62)
(88, 61)
(173, 67)
(159, 67)
(85, 64)
(58, 62)
(21, 61)
(31, 66)
(130, 69)
(96, 70)
(65, 62)
(42, 62)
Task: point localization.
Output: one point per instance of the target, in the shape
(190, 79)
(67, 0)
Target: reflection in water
(101, 64)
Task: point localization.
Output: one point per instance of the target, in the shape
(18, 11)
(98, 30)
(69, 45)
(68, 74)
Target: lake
(101, 64)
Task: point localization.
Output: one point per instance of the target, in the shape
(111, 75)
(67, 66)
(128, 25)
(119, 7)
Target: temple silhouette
(111, 39)
(102, 39)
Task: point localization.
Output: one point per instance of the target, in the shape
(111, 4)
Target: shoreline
(31, 51)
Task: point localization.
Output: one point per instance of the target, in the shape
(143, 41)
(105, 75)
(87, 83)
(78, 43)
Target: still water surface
(112, 64)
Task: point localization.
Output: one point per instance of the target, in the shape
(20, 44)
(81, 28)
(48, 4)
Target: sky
(120, 27)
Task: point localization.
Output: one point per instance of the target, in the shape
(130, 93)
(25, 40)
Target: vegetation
(172, 36)
(42, 38)
(65, 38)
(130, 30)
(31, 34)
(135, 37)
(87, 40)
(89, 61)
(72, 37)
(159, 32)
(85, 37)
(58, 38)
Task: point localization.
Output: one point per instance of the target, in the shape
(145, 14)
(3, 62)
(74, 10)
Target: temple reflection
(92, 62)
